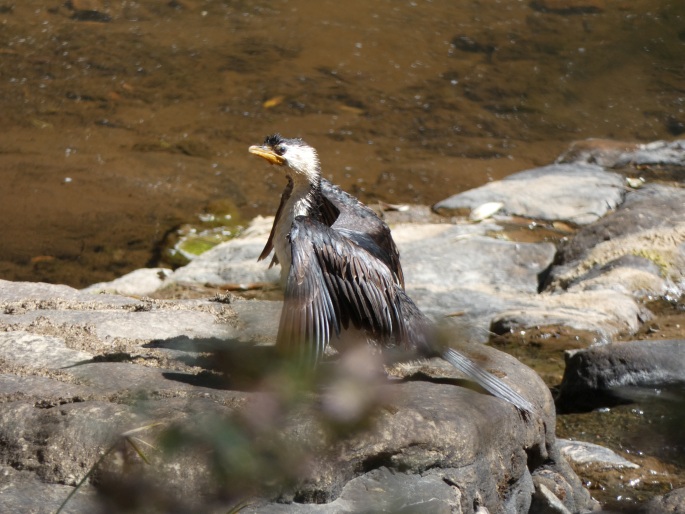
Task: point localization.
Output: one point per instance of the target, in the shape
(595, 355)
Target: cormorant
(340, 269)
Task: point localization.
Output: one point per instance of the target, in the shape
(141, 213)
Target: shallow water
(641, 424)
(647, 432)
(125, 119)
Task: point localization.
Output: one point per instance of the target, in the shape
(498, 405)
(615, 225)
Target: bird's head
(299, 159)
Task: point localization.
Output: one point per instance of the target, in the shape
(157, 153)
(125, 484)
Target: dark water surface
(123, 119)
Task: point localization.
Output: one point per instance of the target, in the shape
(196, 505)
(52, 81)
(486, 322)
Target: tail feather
(487, 381)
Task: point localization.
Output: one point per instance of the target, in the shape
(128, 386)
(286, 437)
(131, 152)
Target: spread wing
(270, 242)
(361, 224)
(334, 283)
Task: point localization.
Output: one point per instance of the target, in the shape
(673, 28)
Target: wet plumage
(340, 269)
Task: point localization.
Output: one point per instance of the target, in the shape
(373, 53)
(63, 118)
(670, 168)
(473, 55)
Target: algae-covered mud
(122, 121)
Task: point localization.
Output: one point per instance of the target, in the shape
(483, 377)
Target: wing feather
(270, 242)
(361, 225)
(331, 284)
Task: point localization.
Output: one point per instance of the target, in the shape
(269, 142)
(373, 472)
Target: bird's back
(344, 213)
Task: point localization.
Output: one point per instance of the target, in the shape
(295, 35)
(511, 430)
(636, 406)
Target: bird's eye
(280, 149)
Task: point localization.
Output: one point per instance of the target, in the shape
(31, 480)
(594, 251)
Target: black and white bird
(340, 270)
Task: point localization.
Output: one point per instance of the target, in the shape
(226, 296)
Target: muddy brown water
(121, 120)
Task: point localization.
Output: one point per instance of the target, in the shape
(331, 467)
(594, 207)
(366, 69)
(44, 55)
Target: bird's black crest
(276, 139)
(273, 140)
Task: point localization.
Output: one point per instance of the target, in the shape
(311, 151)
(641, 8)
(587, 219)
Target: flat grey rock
(455, 269)
(60, 443)
(18, 296)
(603, 312)
(543, 193)
(140, 282)
(22, 492)
(31, 350)
(581, 452)
(13, 387)
(452, 259)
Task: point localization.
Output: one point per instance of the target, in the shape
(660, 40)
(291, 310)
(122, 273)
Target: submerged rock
(233, 263)
(581, 452)
(616, 154)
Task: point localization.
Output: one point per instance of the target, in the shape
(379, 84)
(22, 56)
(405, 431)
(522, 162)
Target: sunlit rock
(576, 193)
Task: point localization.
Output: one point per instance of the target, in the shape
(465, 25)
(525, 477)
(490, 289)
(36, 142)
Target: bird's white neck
(302, 202)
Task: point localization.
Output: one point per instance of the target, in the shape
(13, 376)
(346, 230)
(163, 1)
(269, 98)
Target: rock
(603, 313)
(26, 349)
(553, 479)
(602, 272)
(383, 490)
(22, 491)
(454, 258)
(670, 503)
(89, 10)
(613, 154)
(592, 374)
(456, 269)
(661, 153)
(492, 284)
(649, 227)
(544, 502)
(629, 273)
(448, 267)
(141, 282)
(233, 262)
(22, 296)
(566, 7)
(543, 193)
(410, 437)
(580, 452)
(14, 387)
(106, 319)
(60, 443)
(78, 371)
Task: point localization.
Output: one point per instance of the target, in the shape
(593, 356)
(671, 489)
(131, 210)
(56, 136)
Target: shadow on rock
(228, 364)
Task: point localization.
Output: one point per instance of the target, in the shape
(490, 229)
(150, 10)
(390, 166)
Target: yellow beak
(268, 154)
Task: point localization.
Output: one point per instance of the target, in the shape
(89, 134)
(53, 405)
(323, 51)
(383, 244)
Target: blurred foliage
(270, 447)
